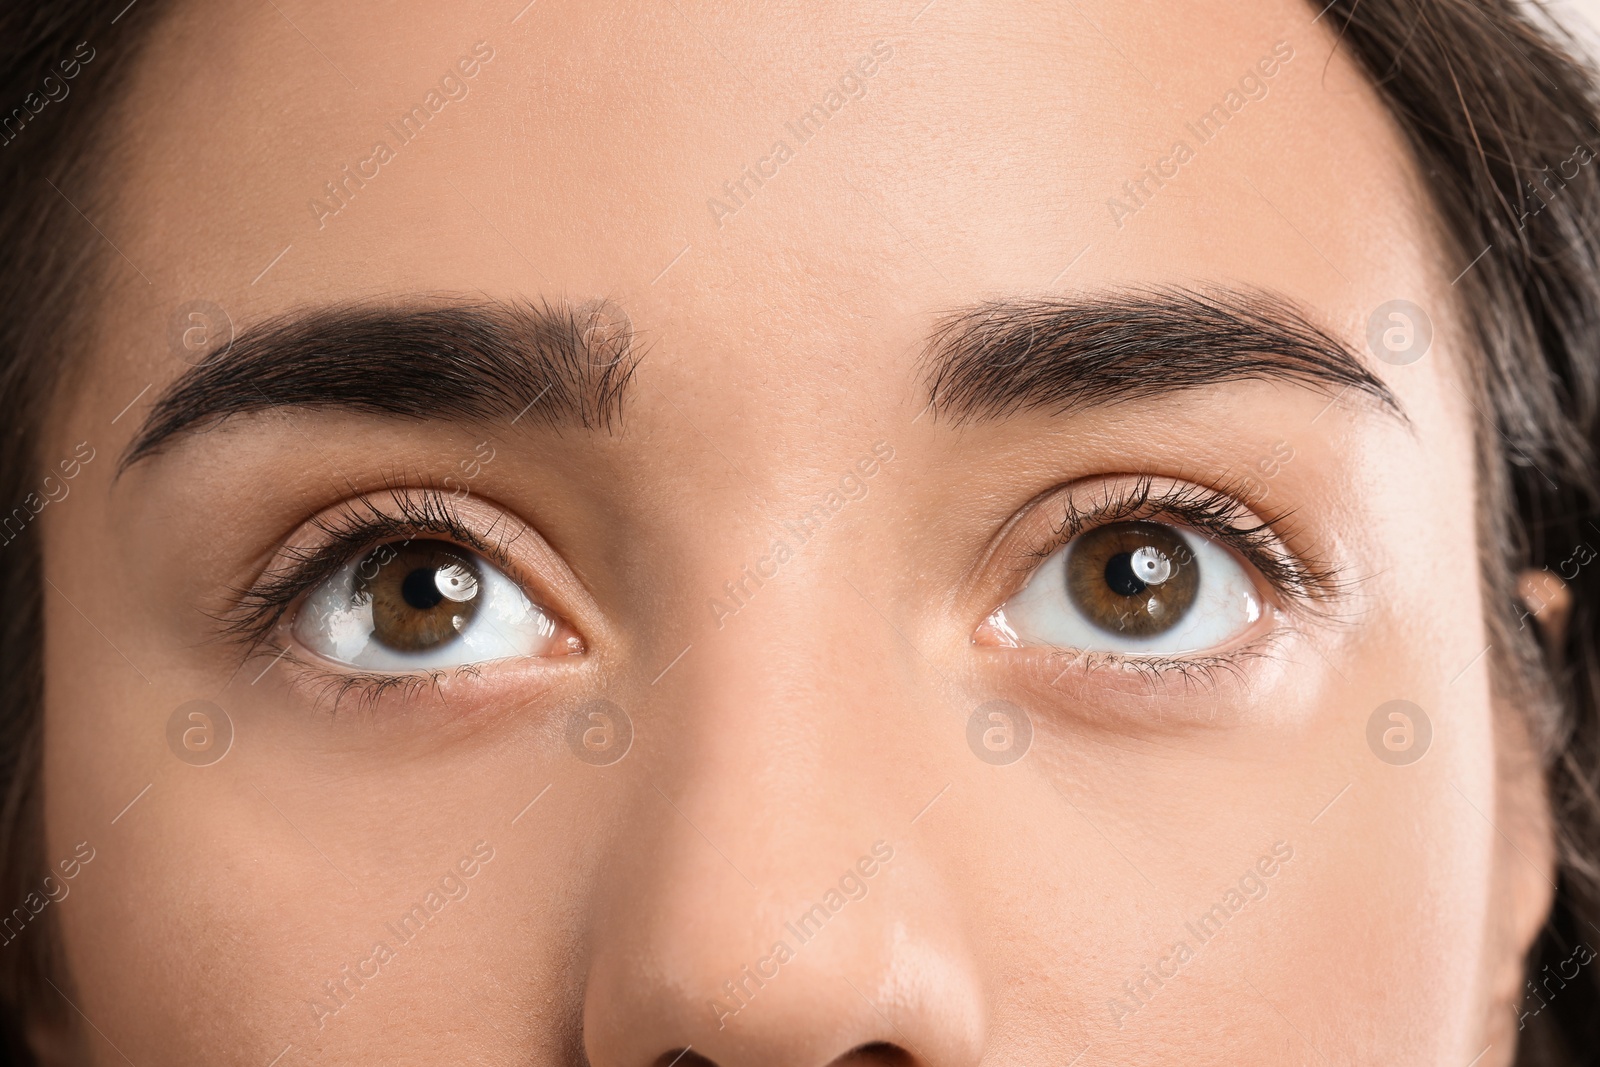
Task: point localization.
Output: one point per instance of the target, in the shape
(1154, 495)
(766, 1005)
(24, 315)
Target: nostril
(682, 1057)
(873, 1054)
(876, 1054)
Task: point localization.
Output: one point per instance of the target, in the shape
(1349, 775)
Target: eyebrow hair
(552, 363)
(1001, 358)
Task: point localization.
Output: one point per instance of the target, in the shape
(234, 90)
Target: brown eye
(1137, 588)
(1133, 578)
(423, 594)
(425, 605)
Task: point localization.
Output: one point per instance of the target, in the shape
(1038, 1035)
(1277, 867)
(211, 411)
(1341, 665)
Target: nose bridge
(793, 676)
(766, 903)
(798, 720)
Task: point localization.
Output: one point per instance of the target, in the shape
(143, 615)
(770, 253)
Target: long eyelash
(356, 526)
(330, 690)
(1217, 512)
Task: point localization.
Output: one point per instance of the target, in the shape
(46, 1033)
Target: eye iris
(1135, 578)
(423, 594)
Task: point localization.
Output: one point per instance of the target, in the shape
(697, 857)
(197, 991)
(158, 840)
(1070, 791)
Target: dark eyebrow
(1056, 355)
(552, 364)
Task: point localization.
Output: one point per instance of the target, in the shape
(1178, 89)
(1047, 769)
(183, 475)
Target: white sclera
(1226, 604)
(335, 622)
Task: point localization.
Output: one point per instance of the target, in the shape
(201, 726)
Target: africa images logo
(454, 84)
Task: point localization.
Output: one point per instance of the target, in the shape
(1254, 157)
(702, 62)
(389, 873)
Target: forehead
(779, 186)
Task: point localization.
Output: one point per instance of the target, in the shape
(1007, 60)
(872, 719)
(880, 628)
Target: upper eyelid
(1302, 579)
(1141, 504)
(435, 514)
(348, 528)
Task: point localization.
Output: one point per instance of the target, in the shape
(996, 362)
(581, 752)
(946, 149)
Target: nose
(768, 902)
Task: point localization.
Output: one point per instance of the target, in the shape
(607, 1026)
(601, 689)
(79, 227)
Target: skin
(828, 713)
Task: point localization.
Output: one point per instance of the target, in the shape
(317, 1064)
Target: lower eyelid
(334, 689)
(1131, 694)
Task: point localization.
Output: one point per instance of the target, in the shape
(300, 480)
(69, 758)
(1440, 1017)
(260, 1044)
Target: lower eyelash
(1203, 674)
(330, 689)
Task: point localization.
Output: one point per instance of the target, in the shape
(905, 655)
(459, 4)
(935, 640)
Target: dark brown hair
(1497, 111)
(52, 136)
(1501, 118)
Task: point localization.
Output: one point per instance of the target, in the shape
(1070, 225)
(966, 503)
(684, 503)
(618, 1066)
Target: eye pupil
(421, 589)
(1120, 576)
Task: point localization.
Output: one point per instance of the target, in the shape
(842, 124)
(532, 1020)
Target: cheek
(1399, 870)
(1387, 898)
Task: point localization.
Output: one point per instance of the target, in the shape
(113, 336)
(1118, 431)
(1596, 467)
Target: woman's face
(590, 633)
